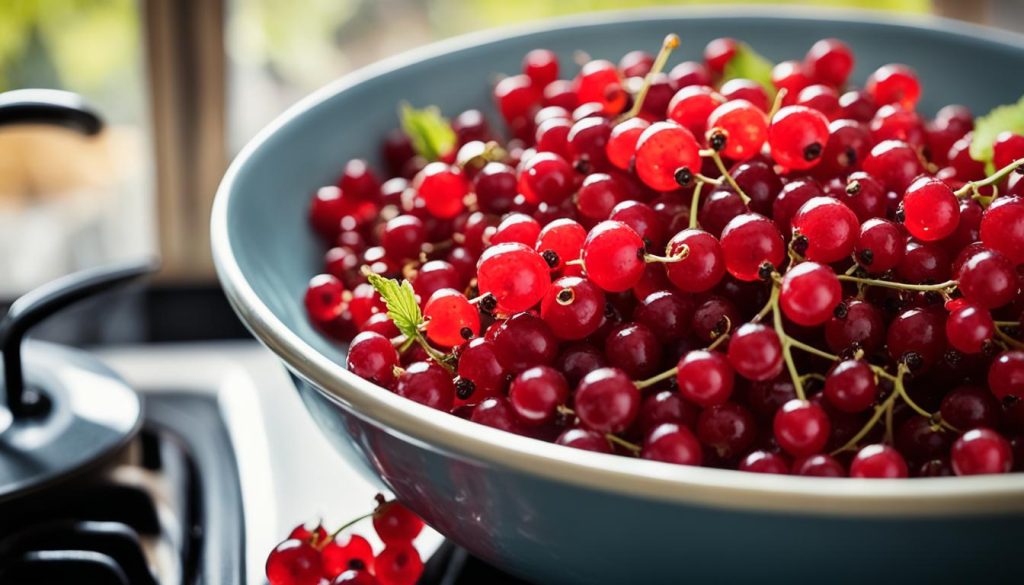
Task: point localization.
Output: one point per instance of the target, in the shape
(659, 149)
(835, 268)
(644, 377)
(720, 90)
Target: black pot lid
(89, 416)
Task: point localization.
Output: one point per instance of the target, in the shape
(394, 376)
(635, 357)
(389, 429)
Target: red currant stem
(812, 376)
(671, 42)
(888, 422)
(679, 256)
(875, 416)
(397, 371)
(705, 179)
(927, 165)
(767, 308)
(615, 440)
(851, 270)
(990, 180)
(437, 356)
(1010, 341)
(641, 384)
(581, 57)
(812, 350)
(565, 410)
(694, 204)
(777, 102)
(942, 286)
(728, 178)
(349, 524)
(787, 343)
(1006, 323)
(576, 262)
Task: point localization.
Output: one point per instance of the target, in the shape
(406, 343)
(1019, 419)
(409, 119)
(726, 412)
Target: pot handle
(49, 106)
(38, 304)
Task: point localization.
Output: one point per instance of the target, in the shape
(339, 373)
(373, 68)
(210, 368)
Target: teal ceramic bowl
(553, 514)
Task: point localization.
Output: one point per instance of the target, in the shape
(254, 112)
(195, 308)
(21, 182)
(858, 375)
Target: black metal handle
(40, 303)
(49, 106)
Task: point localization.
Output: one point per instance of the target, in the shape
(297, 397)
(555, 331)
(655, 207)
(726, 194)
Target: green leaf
(1001, 119)
(400, 299)
(749, 64)
(431, 135)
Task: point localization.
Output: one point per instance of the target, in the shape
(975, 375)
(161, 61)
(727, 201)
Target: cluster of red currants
(791, 277)
(316, 557)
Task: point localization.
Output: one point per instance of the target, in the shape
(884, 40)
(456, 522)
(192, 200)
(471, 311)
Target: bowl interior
(260, 227)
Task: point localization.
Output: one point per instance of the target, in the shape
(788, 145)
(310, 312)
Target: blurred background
(183, 84)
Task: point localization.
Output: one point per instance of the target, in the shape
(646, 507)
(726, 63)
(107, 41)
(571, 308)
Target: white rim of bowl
(645, 479)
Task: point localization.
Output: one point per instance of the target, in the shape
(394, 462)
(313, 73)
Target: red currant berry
(689, 73)
(541, 66)
(598, 195)
(497, 413)
(536, 393)
(988, 279)
(755, 352)
(1008, 147)
(801, 428)
(396, 524)
(516, 275)
(819, 465)
(970, 407)
(613, 256)
(516, 97)
(340, 556)
(894, 163)
(672, 443)
(667, 156)
(573, 307)
(479, 366)
(726, 429)
(821, 98)
(547, 178)
(451, 319)
(323, 299)
(930, 209)
(743, 126)
(981, 451)
(354, 577)
(792, 77)
(748, 242)
(495, 186)
(428, 384)
(666, 313)
(516, 227)
(634, 349)
(797, 136)
(294, 562)
(665, 406)
(599, 81)
(372, 356)
(523, 341)
(585, 440)
(764, 462)
(398, 564)
(830, 227)
(1006, 375)
(702, 268)
(810, 293)
(442, 188)
(878, 462)
(622, 141)
(829, 61)
(851, 386)
(705, 377)
(607, 401)
(968, 328)
(691, 106)
(719, 52)
(894, 84)
(880, 245)
(738, 88)
(861, 324)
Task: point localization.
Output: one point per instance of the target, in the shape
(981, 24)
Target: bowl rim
(729, 489)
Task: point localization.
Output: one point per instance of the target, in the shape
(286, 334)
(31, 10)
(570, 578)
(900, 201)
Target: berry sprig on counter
(315, 557)
(732, 264)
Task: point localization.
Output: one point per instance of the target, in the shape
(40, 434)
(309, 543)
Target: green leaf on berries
(430, 133)
(749, 64)
(1008, 118)
(400, 299)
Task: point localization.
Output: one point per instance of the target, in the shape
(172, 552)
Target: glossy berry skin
(662, 150)
(880, 245)
(371, 356)
(515, 274)
(643, 219)
(894, 84)
(666, 313)
(801, 428)
(830, 227)
(862, 324)
(1002, 228)
(893, 162)
(634, 349)
(981, 451)
(923, 262)
(396, 524)
(497, 413)
(755, 352)
(621, 145)
(523, 341)
(607, 401)
(355, 577)
(797, 136)
(692, 105)
(819, 465)
(428, 384)
(809, 294)
(495, 186)
(294, 562)
(536, 393)
(665, 406)
(930, 210)
(719, 52)
(727, 429)
(829, 61)
(748, 241)
(585, 440)
(442, 188)
(515, 96)
(541, 66)
(1007, 148)
(792, 77)
(988, 279)
(791, 198)
(478, 363)
(436, 275)
(705, 377)
(744, 125)
(565, 238)
(739, 88)
(613, 256)
(599, 81)
(598, 195)
(516, 227)
(764, 462)
(970, 407)
(451, 319)
(323, 298)
(672, 443)
(918, 331)
(851, 387)
(848, 144)
(968, 328)
(878, 462)
(403, 236)
(1006, 375)
(704, 265)
(547, 178)
(398, 564)
(573, 307)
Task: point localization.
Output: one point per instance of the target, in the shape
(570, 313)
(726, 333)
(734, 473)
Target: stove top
(287, 472)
